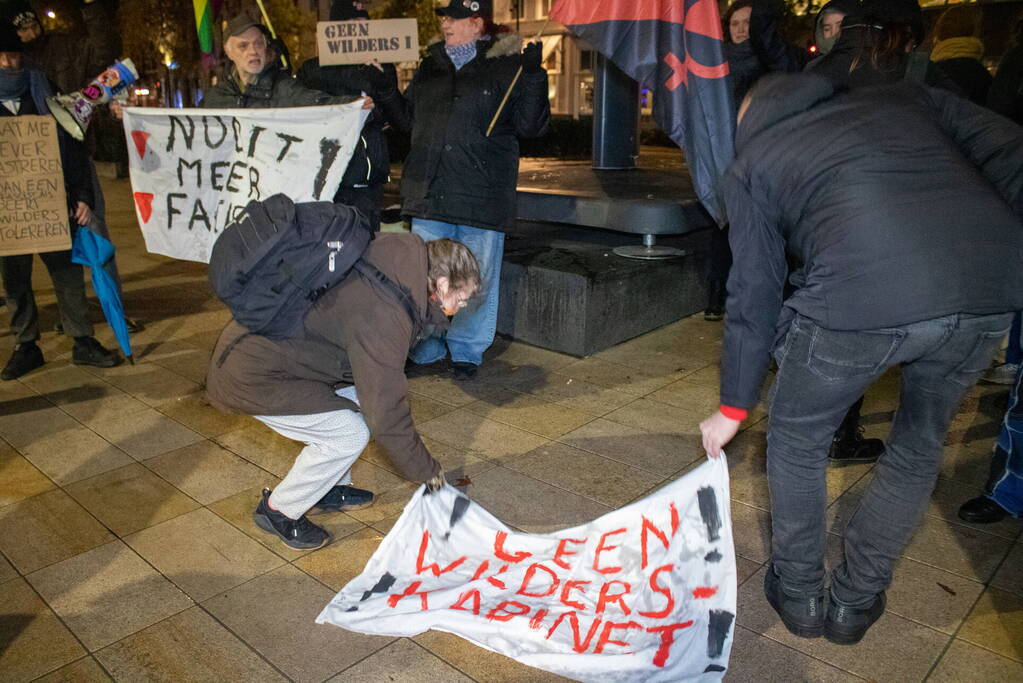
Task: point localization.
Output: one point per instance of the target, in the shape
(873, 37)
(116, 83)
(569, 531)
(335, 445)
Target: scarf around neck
(958, 48)
(461, 54)
(14, 83)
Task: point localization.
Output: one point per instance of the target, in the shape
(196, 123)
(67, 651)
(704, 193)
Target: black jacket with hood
(766, 39)
(371, 163)
(454, 172)
(899, 204)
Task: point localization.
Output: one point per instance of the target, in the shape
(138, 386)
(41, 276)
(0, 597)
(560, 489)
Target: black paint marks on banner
(457, 512)
(709, 512)
(328, 154)
(713, 556)
(382, 586)
(717, 631)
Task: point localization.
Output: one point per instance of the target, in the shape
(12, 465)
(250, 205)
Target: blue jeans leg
(472, 330)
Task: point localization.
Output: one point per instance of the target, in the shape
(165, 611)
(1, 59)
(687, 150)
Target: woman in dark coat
(459, 178)
(957, 52)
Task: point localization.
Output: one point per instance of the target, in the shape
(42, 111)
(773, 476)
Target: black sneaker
(341, 499)
(982, 510)
(26, 358)
(803, 616)
(852, 447)
(464, 371)
(88, 351)
(847, 625)
(300, 533)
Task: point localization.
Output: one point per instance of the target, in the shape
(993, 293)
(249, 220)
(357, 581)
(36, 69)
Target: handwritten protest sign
(358, 42)
(33, 202)
(194, 170)
(644, 593)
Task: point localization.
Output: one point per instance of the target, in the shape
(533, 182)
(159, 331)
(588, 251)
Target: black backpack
(277, 258)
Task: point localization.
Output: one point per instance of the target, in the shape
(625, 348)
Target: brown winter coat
(357, 333)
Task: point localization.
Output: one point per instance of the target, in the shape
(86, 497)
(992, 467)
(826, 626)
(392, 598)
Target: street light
(51, 14)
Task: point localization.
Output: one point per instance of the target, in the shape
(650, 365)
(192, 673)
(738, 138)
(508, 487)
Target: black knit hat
(9, 40)
(463, 9)
(344, 10)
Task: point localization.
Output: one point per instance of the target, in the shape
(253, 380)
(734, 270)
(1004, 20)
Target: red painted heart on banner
(140, 137)
(144, 202)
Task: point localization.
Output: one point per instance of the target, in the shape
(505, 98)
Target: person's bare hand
(717, 431)
(367, 103)
(378, 65)
(83, 214)
(435, 483)
(117, 109)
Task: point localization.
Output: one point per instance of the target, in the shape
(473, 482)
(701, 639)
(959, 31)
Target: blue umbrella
(90, 249)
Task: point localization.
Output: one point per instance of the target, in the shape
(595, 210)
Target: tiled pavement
(128, 551)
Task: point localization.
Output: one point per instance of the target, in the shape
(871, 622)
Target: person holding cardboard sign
(460, 175)
(23, 92)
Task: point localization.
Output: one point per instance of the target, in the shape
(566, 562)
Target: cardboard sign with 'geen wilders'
(33, 203)
(358, 42)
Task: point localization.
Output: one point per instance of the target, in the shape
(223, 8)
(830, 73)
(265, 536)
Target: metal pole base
(649, 251)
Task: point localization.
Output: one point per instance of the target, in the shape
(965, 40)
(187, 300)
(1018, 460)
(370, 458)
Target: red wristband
(731, 413)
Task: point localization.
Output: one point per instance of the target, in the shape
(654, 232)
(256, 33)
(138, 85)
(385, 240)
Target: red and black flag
(675, 48)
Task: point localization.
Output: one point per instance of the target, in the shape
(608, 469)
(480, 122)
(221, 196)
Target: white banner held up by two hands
(644, 593)
(194, 170)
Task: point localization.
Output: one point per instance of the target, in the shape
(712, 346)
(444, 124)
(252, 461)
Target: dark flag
(674, 48)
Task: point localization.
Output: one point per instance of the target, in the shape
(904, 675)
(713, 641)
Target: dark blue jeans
(821, 373)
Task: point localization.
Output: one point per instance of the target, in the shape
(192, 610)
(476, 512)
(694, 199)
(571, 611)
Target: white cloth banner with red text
(194, 170)
(644, 593)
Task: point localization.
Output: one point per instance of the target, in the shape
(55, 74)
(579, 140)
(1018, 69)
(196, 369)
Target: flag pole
(507, 94)
(269, 25)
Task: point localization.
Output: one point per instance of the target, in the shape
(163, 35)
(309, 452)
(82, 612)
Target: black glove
(380, 81)
(531, 58)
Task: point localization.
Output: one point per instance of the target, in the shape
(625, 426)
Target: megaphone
(74, 111)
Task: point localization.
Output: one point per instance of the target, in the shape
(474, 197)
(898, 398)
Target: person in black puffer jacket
(369, 170)
(458, 181)
(957, 52)
(902, 206)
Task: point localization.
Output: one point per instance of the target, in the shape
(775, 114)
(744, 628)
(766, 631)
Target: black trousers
(365, 199)
(68, 283)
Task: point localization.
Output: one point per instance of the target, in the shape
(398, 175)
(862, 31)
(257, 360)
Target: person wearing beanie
(254, 77)
(958, 50)
(23, 92)
(369, 169)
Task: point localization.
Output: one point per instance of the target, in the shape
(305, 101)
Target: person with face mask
(255, 78)
(778, 55)
(23, 92)
(369, 170)
(459, 178)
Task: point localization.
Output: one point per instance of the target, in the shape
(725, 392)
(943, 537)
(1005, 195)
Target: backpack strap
(399, 292)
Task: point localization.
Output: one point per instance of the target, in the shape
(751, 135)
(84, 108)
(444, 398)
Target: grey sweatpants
(333, 442)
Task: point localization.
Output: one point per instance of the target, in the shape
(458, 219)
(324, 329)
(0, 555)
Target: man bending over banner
(900, 222)
(341, 378)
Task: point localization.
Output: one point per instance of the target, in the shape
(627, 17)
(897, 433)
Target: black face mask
(344, 10)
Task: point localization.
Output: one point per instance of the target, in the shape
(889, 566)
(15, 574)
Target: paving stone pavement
(128, 550)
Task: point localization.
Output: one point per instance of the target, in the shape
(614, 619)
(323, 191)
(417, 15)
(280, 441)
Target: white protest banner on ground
(194, 170)
(644, 593)
(359, 42)
(33, 203)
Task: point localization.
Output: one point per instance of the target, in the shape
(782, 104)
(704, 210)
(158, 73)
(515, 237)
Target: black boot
(802, 616)
(849, 445)
(26, 358)
(716, 295)
(847, 625)
(983, 510)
